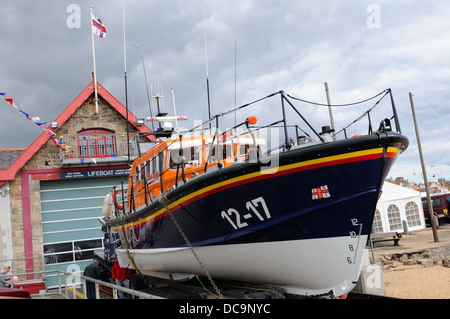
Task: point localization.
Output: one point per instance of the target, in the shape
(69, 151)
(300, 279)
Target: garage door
(70, 225)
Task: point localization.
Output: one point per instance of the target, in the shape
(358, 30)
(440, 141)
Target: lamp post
(433, 219)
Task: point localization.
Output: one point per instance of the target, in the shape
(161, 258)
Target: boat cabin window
(148, 170)
(162, 156)
(154, 167)
(243, 149)
(136, 174)
(226, 152)
(142, 172)
(191, 157)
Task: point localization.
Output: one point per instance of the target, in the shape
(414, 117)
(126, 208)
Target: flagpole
(93, 57)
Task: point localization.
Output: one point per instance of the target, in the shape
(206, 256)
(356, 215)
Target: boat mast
(330, 111)
(206, 62)
(146, 85)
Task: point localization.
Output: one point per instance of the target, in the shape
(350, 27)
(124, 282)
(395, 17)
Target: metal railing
(156, 183)
(71, 281)
(97, 146)
(26, 265)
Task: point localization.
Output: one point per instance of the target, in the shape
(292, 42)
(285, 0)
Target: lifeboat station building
(51, 197)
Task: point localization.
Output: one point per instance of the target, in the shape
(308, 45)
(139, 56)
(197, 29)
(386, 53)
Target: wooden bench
(379, 237)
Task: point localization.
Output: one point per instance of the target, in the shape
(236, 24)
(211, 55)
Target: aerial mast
(206, 62)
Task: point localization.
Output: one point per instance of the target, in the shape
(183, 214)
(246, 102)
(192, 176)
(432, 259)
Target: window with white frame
(395, 221)
(57, 253)
(377, 226)
(412, 214)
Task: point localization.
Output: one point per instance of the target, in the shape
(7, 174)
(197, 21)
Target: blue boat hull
(318, 194)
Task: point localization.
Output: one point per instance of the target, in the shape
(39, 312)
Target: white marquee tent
(398, 204)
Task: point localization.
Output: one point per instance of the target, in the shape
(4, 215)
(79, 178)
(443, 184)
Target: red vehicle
(441, 206)
(14, 293)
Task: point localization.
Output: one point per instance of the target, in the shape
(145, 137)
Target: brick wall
(48, 157)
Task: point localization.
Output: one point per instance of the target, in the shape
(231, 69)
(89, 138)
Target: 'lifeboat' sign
(95, 173)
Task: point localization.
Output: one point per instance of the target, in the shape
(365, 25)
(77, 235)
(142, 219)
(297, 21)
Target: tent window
(377, 226)
(412, 214)
(395, 221)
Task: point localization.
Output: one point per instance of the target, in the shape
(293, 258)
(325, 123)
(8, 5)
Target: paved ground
(415, 242)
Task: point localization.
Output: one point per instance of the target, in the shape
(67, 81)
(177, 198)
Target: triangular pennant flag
(10, 100)
(26, 114)
(38, 122)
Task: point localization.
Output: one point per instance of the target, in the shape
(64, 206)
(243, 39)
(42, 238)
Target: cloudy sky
(255, 47)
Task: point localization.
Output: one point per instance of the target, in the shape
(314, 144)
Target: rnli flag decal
(320, 192)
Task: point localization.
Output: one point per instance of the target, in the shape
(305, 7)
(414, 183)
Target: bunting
(59, 142)
(39, 123)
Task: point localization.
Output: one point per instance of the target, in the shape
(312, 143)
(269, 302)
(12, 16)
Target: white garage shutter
(70, 225)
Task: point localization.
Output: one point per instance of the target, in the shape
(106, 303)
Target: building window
(395, 221)
(58, 253)
(96, 143)
(377, 226)
(412, 214)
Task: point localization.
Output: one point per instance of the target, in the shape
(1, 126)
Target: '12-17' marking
(234, 217)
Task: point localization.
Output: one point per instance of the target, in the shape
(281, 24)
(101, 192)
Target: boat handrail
(219, 139)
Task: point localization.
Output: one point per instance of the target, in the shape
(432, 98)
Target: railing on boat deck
(220, 138)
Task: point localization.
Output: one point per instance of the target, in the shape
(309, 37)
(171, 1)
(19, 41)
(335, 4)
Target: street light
(433, 218)
(442, 178)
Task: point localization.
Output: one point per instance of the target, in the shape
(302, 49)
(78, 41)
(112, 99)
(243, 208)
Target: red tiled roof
(11, 171)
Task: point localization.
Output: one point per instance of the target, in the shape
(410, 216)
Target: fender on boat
(107, 205)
